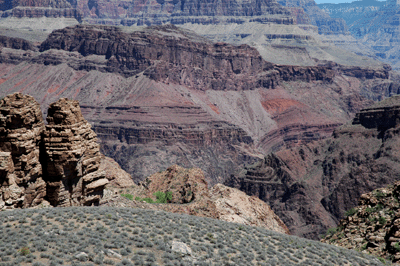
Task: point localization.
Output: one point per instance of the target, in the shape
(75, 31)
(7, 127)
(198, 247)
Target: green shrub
(382, 220)
(163, 197)
(397, 246)
(351, 212)
(128, 196)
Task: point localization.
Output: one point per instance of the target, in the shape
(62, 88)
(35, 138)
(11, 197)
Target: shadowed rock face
(310, 187)
(58, 162)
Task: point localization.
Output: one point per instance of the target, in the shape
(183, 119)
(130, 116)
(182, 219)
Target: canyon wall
(164, 95)
(311, 186)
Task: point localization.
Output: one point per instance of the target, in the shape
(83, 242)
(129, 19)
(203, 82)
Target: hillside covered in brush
(122, 236)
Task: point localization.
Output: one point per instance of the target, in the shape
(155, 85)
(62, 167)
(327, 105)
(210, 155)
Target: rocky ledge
(57, 163)
(373, 226)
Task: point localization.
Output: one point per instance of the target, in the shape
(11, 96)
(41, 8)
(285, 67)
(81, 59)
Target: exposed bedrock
(310, 187)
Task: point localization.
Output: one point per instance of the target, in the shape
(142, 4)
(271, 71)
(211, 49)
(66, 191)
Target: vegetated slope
(373, 225)
(186, 191)
(164, 95)
(311, 186)
(126, 236)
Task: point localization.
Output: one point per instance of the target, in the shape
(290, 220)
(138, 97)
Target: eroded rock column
(21, 126)
(73, 157)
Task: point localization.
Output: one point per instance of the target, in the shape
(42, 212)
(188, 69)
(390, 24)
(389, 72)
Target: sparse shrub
(24, 251)
(128, 196)
(382, 220)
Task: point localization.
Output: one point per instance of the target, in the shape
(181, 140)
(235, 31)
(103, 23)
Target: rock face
(21, 127)
(235, 206)
(73, 157)
(310, 187)
(58, 162)
(164, 95)
(191, 195)
(373, 225)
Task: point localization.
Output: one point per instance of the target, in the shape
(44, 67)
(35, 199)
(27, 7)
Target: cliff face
(310, 187)
(182, 58)
(58, 163)
(373, 225)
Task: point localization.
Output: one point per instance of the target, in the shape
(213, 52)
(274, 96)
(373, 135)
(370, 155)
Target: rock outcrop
(72, 157)
(310, 187)
(373, 226)
(57, 163)
(190, 195)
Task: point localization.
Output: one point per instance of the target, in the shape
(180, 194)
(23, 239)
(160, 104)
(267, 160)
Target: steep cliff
(58, 162)
(310, 187)
(373, 226)
(353, 11)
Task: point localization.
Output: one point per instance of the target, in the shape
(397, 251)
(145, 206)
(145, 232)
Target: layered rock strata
(73, 157)
(163, 95)
(58, 162)
(181, 58)
(310, 187)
